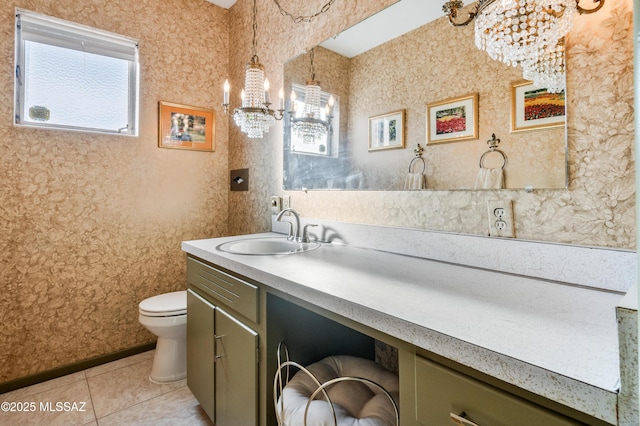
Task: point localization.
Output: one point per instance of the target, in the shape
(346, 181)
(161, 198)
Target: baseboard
(72, 368)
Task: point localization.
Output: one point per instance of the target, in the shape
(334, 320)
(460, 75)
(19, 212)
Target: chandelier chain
(313, 71)
(255, 29)
(305, 18)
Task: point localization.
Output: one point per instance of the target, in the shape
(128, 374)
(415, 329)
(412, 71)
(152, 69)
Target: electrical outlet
(276, 204)
(286, 202)
(500, 218)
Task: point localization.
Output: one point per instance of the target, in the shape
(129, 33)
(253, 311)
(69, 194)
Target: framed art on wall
(453, 120)
(533, 107)
(386, 131)
(186, 127)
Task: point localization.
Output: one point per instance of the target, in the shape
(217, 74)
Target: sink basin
(266, 246)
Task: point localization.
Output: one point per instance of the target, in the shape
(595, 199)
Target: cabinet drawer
(441, 391)
(227, 290)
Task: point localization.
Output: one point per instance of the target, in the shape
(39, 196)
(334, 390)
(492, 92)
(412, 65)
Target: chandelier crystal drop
(253, 117)
(516, 31)
(549, 70)
(312, 99)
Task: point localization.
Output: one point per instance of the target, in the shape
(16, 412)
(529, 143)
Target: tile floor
(117, 393)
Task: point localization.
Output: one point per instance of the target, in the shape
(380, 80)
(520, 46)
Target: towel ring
(424, 165)
(504, 158)
(493, 147)
(418, 156)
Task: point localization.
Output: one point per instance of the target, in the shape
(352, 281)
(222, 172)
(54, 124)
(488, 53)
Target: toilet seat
(165, 305)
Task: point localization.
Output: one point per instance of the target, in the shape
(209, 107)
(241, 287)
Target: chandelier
(255, 116)
(526, 33)
(308, 122)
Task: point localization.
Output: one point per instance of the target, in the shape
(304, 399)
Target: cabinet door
(236, 372)
(200, 351)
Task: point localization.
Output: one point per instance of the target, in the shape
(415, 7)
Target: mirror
(420, 84)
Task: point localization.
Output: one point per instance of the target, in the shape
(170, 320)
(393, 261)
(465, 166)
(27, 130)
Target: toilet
(165, 316)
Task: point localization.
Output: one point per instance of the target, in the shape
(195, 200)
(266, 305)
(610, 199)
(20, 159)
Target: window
(74, 77)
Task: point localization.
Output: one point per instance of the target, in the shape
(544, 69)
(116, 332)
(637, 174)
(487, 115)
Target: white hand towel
(415, 181)
(490, 179)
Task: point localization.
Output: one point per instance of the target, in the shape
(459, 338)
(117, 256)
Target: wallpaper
(92, 224)
(598, 208)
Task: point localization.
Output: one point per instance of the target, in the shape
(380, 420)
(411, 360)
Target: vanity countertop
(556, 340)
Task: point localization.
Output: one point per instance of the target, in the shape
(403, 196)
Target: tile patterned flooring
(117, 393)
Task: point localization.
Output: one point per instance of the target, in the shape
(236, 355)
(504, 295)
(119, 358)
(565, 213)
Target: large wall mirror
(390, 100)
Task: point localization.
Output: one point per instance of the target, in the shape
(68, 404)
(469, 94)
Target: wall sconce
(255, 116)
(528, 33)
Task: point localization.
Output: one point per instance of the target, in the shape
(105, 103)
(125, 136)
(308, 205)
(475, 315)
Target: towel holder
(418, 156)
(493, 147)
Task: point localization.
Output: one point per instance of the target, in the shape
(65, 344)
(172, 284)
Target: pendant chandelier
(526, 33)
(255, 116)
(308, 123)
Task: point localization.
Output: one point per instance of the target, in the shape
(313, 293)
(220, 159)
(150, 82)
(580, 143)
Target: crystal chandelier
(255, 116)
(517, 30)
(307, 122)
(526, 33)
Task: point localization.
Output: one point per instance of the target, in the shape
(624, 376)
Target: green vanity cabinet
(222, 351)
(234, 326)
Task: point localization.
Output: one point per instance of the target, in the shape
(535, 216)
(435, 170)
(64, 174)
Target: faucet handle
(290, 232)
(305, 233)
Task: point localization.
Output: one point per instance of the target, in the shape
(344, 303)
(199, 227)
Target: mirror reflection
(457, 110)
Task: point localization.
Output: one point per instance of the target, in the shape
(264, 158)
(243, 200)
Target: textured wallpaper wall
(91, 224)
(597, 209)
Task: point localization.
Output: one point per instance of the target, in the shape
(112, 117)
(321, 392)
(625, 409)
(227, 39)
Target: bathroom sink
(267, 246)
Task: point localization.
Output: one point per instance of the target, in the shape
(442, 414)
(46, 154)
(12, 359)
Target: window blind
(43, 29)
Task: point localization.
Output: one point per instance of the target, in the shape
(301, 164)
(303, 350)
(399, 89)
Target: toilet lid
(164, 305)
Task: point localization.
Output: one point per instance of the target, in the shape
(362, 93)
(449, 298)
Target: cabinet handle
(217, 339)
(460, 419)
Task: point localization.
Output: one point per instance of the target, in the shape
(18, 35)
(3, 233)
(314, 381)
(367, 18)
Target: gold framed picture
(186, 127)
(453, 120)
(386, 131)
(533, 107)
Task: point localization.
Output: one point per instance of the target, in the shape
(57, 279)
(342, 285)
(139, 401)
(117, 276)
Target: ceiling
(389, 23)
(223, 3)
(397, 19)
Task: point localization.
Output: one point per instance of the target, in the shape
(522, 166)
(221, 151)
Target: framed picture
(386, 131)
(453, 120)
(532, 107)
(185, 127)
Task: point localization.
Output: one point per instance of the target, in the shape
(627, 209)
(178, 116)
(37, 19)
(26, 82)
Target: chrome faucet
(293, 236)
(300, 235)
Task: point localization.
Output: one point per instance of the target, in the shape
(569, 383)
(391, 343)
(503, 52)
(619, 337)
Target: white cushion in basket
(356, 404)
